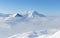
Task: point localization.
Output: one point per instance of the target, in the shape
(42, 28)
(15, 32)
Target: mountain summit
(34, 14)
(17, 15)
(13, 16)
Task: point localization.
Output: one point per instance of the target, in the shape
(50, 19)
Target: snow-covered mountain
(30, 14)
(34, 14)
(17, 15)
(13, 16)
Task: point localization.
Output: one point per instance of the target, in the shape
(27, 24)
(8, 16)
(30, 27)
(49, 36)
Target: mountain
(35, 14)
(30, 14)
(12, 15)
(15, 18)
(17, 15)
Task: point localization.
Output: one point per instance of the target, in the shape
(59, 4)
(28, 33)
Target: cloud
(37, 34)
(30, 24)
(3, 24)
(56, 35)
(43, 36)
(37, 24)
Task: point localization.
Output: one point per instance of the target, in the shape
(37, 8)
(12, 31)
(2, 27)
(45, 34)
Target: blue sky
(48, 7)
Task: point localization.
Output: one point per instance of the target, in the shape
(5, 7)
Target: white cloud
(37, 24)
(37, 35)
(43, 36)
(56, 35)
(31, 25)
(3, 24)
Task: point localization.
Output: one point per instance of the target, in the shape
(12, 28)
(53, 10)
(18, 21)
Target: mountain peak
(30, 13)
(35, 13)
(17, 15)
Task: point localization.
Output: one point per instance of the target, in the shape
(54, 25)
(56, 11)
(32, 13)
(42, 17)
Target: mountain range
(29, 14)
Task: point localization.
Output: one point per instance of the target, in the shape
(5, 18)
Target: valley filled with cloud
(32, 25)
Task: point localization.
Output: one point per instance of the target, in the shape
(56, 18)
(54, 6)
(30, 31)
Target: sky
(47, 7)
